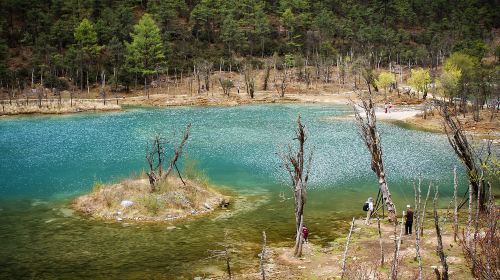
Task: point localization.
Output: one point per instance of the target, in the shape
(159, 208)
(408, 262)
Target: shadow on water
(42, 238)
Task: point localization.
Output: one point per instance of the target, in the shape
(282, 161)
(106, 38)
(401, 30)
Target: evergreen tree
(145, 54)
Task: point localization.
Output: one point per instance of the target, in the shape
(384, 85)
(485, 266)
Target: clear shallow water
(46, 161)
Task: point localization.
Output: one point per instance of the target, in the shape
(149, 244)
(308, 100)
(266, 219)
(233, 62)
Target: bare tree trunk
(419, 222)
(397, 241)
(177, 152)
(263, 256)
(469, 216)
(295, 164)
(460, 144)
(380, 242)
(344, 256)
(369, 133)
(423, 210)
(455, 209)
(266, 77)
(439, 248)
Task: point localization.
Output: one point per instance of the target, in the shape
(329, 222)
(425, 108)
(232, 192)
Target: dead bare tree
(380, 242)
(249, 77)
(226, 85)
(464, 150)
(266, 77)
(224, 254)
(263, 256)
(418, 223)
(482, 253)
(344, 256)
(296, 167)
(155, 156)
(202, 70)
(368, 130)
(397, 247)
(439, 249)
(423, 210)
(281, 80)
(177, 153)
(455, 208)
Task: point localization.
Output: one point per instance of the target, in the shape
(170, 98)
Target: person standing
(305, 233)
(369, 208)
(409, 219)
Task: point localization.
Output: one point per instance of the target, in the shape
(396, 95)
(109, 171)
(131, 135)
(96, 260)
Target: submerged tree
(368, 130)
(298, 169)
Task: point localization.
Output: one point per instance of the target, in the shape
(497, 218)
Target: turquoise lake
(46, 161)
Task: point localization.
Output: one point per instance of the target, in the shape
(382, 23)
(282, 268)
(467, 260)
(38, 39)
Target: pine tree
(145, 54)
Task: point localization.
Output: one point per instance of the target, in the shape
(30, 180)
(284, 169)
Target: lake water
(48, 160)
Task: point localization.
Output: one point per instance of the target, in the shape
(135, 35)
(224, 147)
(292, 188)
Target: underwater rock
(126, 203)
(171, 227)
(66, 212)
(38, 202)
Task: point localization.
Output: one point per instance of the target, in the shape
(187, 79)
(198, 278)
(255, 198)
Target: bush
(151, 203)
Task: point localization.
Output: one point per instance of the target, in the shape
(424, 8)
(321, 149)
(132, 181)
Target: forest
(77, 43)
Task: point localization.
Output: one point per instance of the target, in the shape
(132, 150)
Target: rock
(207, 206)
(224, 203)
(171, 227)
(119, 219)
(126, 203)
(66, 212)
(119, 213)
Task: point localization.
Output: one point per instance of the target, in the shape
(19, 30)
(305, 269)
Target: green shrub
(151, 204)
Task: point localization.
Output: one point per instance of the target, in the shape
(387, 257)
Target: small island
(157, 195)
(133, 200)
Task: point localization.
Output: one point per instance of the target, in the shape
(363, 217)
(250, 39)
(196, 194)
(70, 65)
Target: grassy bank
(133, 200)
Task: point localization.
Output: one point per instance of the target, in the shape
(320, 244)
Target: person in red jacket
(305, 233)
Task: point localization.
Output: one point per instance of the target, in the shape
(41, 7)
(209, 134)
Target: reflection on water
(61, 157)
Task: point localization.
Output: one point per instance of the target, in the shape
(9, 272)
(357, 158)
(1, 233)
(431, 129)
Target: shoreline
(405, 115)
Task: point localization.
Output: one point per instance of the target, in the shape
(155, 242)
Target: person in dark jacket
(409, 220)
(305, 233)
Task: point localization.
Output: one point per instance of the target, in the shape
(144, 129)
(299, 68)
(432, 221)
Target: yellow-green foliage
(449, 80)
(384, 80)
(465, 63)
(420, 79)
